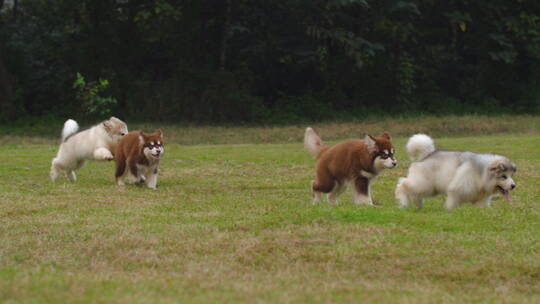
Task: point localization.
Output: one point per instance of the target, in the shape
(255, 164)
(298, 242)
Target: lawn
(234, 223)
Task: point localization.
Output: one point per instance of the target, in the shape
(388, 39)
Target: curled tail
(419, 146)
(313, 143)
(70, 127)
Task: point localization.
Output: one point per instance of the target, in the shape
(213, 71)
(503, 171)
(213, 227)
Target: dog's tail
(313, 143)
(70, 127)
(419, 146)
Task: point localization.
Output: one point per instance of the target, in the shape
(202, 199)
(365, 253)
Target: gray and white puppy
(461, 176)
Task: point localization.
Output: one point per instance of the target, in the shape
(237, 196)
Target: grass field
(233, 223)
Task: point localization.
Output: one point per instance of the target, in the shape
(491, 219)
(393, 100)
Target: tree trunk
(6, 92)
(15, 9)
(225, 36)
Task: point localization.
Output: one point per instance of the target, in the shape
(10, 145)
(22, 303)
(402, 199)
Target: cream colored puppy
(78, 147)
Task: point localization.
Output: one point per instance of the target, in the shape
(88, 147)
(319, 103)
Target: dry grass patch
(465, 125)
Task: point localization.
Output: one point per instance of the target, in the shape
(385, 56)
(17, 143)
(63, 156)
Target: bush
(89, 95)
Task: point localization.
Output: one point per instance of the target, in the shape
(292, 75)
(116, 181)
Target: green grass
(233, 223)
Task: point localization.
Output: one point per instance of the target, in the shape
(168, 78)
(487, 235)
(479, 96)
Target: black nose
(513, 186)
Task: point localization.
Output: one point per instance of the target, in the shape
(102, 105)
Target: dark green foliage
(90, 96)
(264, 61)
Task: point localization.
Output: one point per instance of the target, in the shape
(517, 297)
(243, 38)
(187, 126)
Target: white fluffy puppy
(461, 176)
(94, 143)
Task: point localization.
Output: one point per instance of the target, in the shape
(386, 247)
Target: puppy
(461, 176)
(354, 161)
(78, 147)
(140, 152)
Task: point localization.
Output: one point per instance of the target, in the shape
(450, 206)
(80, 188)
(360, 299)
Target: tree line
(266, 61)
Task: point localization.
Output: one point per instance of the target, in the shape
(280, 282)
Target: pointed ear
(142, 139)
(497, 167)
(386, 135)
(108, 126)
(159, 133)
(369, 141)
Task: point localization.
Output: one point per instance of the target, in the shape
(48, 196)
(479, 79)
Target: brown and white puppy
(140, 152)
(97, 143)
(355, 161)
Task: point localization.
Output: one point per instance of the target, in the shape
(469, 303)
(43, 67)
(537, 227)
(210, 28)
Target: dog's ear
(142, 137)
(386, 135)
(159, 133)
(369, 141)
(108, 126)
(497, 167)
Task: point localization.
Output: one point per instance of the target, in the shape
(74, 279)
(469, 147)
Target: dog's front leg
(452, 200)
(361, 191)
(485, 202)
(103, 154)
(151, 181)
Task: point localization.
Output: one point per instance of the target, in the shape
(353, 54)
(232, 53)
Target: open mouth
(506, 193)
(156, 155)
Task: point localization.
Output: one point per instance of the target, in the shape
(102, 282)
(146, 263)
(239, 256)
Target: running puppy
(461, 176)
(140, 152)
(355, 161)
(94, 143)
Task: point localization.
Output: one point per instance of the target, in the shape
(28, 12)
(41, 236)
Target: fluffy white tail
(313, 143)
(420, 146)
(70, 127)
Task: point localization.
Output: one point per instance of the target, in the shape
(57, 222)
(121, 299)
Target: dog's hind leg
(321, 185)
(72, 175)
(135, 176)
(120, 172)
(406, 193)
(333, 196)
(401, 193)
(317, 195)
(120, 169)
(419, 202)
(80, 164)
(361, 191)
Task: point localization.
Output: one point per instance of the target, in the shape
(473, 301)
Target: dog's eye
(504, 177)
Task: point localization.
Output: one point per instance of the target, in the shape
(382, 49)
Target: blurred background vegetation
(251, 61)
